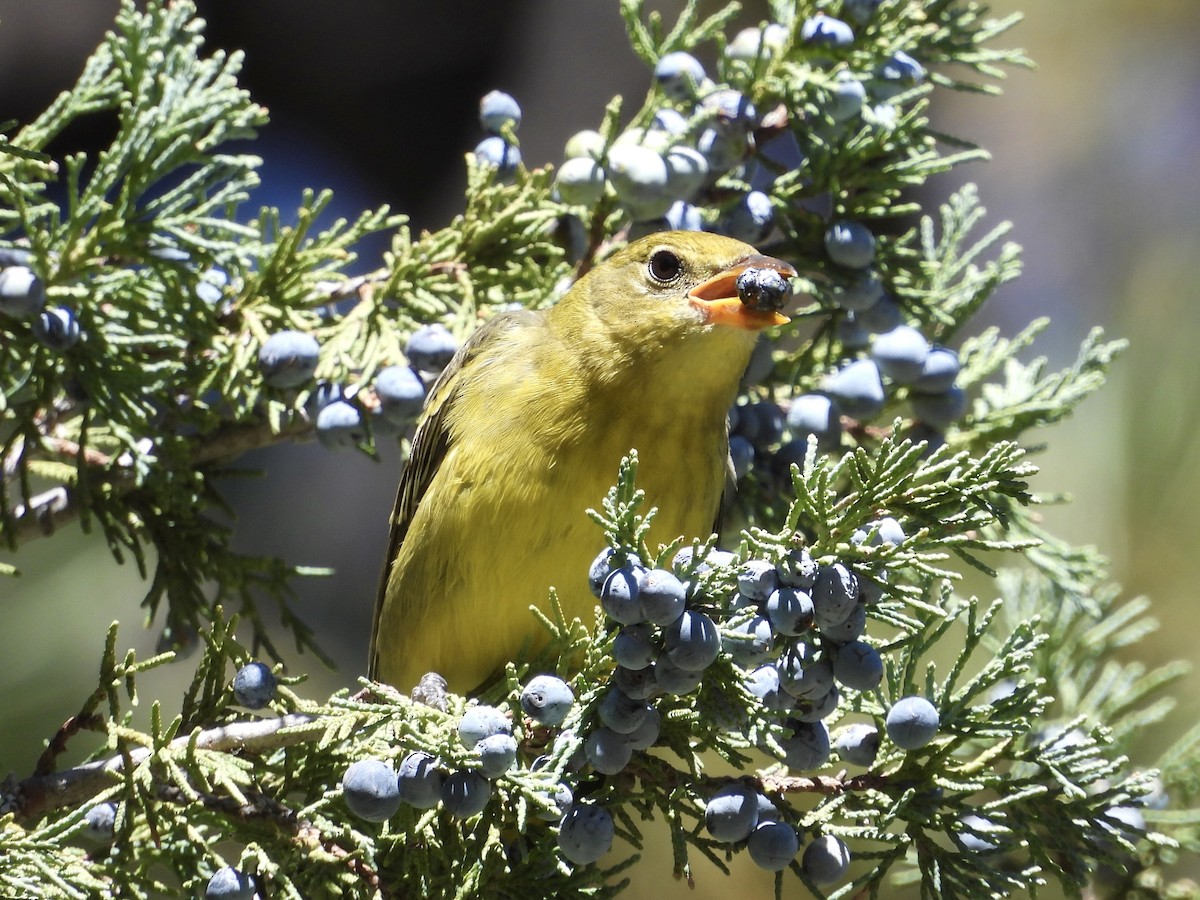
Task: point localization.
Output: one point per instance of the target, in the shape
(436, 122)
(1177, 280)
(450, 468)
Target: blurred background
(1094, 160)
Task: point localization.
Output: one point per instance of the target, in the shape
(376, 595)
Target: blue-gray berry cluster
(739, 815)
(462, 784)
(346, 415)
(663, 174)
(793, 632)
(499, 116)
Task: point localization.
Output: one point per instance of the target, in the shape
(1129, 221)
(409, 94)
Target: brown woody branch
(40, 794)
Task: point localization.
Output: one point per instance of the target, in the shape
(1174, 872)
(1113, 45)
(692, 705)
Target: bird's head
(674, 284)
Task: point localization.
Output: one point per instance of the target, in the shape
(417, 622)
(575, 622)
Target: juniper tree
(154, 331)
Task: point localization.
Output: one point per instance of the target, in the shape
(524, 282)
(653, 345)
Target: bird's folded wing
(429, 447)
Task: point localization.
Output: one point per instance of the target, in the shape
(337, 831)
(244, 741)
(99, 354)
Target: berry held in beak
(747, 295)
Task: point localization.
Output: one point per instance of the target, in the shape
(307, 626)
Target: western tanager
(525, 430)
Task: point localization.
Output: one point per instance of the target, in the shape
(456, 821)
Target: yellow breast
(533, 445)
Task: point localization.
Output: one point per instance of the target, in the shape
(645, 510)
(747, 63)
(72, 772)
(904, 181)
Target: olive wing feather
(429, 447)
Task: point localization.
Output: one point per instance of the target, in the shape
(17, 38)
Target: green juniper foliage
(876, 468)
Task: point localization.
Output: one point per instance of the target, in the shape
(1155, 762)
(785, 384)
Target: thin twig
(40, 794)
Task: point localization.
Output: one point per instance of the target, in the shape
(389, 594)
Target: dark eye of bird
(664, 266)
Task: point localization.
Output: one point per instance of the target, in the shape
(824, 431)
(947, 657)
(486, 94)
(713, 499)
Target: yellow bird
(525, 430)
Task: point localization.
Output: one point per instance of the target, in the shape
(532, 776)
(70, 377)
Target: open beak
(718, 297)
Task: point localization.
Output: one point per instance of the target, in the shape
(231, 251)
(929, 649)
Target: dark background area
(1094, 160)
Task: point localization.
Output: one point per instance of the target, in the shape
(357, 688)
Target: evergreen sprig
(175, 289)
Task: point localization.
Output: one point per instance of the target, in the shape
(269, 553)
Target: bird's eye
(664, 266)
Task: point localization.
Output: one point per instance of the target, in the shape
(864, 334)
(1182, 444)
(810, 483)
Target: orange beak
(718, 297)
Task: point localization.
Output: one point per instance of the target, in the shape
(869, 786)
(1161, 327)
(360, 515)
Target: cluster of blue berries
(899, 358)
(793, 632)
(500, 117)
(770, 436)
(374, 791)
(662, 647)
(738, 814)
(23, 296)
(659, 173)
(343, 413)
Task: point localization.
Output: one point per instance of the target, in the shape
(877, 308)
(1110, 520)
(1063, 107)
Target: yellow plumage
(525, 431)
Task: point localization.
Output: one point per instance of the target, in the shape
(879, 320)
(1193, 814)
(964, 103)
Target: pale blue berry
(849, 629)
(22, 293)
(639, 178)
(679, 75)
(750, 219)
(585, 833)
(420, 780)
(938, 372)
(482, 721)
(371, 790)
(826, 30)
(850, 244)
(731, 813)
(912, 722)
(99, 825)
(834, 594)
(751, 642)
(797, 569)
(430, 348)
(340, 424)
(687, 170)
(972, 834)
(857, 744)
(287, 359)
(826, 860)
(682, 216)
(497, 753)
(808, 746)
(640, 684)
(940, 410)
(818, 415)
(254, 686)
(858, 389)
(584, 143)
(607, 751)
(57, 328)
(547, 699)
(401, 393)
(580, 181)
(773, 845)
(662, 596)
(621, 713)
(860, 293)
(498, 154)
(790, 610)
(633, 647)
(692, 641)
(859, 666)
(756, 579)
(669, 120)
(883, 316)
(465, 794)
(229, 884)
(644, 736)
(674, 679)
(498, 109)
(620, 595)
(900, 353)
